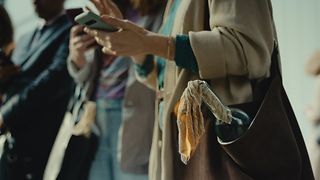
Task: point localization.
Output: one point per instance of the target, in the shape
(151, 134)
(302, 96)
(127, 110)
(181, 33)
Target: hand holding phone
(80, 43)
(93, 21)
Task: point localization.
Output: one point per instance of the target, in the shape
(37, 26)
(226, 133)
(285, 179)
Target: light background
(297, 25)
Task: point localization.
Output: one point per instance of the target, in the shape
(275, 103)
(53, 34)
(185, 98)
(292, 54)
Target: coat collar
(50, 35)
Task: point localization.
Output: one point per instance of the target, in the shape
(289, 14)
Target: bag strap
(275, 60)
(260, 87)
(206, 24)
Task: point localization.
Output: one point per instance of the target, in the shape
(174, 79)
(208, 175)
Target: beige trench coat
(236, 50)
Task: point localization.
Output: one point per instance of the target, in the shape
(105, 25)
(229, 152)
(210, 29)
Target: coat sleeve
(80, 76)
(240, 42)
(48, 86)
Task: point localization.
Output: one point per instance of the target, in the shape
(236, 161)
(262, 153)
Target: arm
(79, 75)
(240, 42)
(48, 86)
(81, 59)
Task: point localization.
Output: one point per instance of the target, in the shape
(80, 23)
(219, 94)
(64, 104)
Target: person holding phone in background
(123, 104)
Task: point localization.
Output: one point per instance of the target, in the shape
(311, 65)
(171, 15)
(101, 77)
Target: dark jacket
(37, 98)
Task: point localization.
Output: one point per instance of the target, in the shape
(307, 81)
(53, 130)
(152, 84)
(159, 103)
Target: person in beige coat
(227, 42)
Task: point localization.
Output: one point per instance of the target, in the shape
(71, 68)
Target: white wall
(297, 23)
(23, 16)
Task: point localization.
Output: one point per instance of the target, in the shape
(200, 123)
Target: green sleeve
(145, 69)
(184, 56)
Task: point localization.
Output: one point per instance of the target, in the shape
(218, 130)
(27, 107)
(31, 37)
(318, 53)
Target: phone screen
(72, 13)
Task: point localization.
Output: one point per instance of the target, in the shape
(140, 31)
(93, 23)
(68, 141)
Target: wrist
(171, 48)
(159, 45)
(79, 63)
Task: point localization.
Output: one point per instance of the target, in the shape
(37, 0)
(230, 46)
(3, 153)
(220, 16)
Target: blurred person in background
(7, 68)
(312, 111)
(121, 100)
(36, 99)
(6, 33)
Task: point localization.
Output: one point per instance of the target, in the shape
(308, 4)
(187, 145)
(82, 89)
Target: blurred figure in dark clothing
(7, 68)
(36, 99)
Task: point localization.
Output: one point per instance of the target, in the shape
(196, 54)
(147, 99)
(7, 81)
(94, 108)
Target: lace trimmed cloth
(190, 119)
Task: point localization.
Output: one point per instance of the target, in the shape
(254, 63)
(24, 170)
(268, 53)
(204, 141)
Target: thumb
(114, 8)
(123, 24)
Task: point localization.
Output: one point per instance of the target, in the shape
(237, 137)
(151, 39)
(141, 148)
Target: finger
(106, 7)
(103, 43)
(99, 6)
(83, 46)
(82, 38)
(123, 24)
(89, 43)
(114, 8)
(75, 30)
(96, 33)
(108, 51)
(79, 47)
(121, 51)
(91, 32)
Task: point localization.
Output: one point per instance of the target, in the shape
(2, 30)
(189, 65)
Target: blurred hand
(312, 114)
(8, 71)
(107, 7)
(313, 64)
(79, 44)
(130, 40)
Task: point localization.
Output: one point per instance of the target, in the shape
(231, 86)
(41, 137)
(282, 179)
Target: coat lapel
(42, 40)
(20, 53)
(49, 36)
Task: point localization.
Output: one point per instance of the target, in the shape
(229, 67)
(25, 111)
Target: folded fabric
(190, 119)
(83, 127)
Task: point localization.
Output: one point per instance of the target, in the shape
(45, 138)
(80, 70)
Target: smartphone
(93, 21)
(72, 13)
